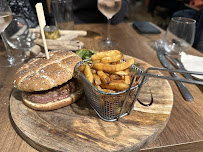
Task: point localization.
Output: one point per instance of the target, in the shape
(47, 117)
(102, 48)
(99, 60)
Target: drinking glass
(179, 35)
(108, 8)
(7, 59)
(17, 34)
(63, 14)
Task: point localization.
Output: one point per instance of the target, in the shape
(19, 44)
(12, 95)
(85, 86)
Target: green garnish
(85, 53)
(137, 64)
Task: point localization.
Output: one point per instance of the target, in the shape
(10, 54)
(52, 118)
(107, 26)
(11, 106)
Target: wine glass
(108, 8)
(179, 35)
(17, 34)
(7, 58)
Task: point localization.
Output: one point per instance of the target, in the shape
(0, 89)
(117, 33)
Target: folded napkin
(192, 63)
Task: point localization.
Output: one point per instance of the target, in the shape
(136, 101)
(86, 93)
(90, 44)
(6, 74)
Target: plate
(77, 127)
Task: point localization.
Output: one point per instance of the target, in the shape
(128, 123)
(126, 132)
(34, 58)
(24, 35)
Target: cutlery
(184, 91)
(179, 65)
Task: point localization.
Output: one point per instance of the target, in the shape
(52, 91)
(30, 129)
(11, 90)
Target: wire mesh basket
(113, 106)
(109, 106)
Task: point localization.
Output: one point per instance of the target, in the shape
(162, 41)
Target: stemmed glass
(17, 34)
(7, 59)
(179, 35)
(108, 8)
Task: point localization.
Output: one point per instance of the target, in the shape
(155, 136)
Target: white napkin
(192, 63)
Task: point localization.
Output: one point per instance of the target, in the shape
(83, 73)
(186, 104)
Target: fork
(181, 86)
(179, 65)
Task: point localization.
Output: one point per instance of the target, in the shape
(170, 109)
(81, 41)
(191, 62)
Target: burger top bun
(42, 74)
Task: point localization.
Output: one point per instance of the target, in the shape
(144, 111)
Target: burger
(49, 84)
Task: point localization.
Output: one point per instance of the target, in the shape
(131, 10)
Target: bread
(54, 105)
(55, 71)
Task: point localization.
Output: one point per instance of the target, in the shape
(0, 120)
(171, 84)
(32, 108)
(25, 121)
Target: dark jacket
(25, 9)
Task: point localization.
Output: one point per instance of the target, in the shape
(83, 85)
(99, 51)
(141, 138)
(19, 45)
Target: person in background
(86, 11)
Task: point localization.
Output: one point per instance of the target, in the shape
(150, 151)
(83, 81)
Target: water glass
(179, 35)
(17, 34)
(8, 58)
(63, 14)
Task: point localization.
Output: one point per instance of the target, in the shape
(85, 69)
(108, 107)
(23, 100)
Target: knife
(179, 65)
(184, 91)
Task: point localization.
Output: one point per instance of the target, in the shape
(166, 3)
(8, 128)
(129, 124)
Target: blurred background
(158, 12)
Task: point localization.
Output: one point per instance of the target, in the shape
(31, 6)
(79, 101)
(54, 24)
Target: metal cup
(62, 10)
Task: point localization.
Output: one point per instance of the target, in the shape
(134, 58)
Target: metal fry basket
(109, 106)
(113, 106)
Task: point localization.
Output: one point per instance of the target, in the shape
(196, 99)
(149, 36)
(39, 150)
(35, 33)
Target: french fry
(135, 80)
(97, 79)
(114, 77)
(96, 61)
(100, 55)
(109, 73)
(81, 68)
(121, 73)
(93, 71)
(98, 87)
(127, 71)
(113, 68)
(108, 90)
(104, 77)
(88, 73)
(118, 81)
(115, 86)
(111, 58)
(127, 79)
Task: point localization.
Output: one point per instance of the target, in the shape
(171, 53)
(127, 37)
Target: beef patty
(54, 94)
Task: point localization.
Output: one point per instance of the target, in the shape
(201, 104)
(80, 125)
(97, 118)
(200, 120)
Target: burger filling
(54, 94)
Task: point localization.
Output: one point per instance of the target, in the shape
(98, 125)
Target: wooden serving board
(78, 128)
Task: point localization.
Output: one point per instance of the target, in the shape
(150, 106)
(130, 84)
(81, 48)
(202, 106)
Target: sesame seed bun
(42, 74)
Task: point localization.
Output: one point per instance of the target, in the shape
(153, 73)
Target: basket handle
(146, 74)
(136, 94)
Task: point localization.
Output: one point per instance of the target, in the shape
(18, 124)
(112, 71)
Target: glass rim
(183, 20)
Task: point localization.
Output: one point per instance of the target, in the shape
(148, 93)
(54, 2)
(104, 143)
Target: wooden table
(184, 131)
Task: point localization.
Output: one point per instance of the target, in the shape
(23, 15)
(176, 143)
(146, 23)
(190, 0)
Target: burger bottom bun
(56, 104)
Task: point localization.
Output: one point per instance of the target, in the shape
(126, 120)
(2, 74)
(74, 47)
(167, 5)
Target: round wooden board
(77, 127)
